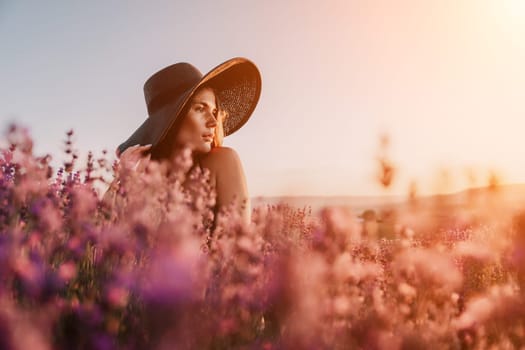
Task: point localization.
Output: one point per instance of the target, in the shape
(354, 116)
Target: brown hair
(164, 150)
(218, 137)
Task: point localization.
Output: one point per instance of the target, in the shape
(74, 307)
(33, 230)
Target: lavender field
(142, 268)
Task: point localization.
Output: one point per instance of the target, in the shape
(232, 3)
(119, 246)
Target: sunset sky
(444, 78)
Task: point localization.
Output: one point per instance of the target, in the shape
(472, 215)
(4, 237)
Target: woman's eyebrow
(202, 103)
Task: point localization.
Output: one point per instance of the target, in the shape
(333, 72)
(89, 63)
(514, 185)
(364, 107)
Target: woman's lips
(208, 137)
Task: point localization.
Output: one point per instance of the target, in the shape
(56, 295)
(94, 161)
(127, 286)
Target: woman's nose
(211, 121)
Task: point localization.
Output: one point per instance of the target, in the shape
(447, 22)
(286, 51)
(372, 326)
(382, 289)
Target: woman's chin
(203, 148)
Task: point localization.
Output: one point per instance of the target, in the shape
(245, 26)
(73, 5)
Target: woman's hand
(133, 158)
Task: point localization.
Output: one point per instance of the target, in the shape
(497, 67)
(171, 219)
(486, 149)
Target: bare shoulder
(220, 157)
(228, 176)
(222, 152)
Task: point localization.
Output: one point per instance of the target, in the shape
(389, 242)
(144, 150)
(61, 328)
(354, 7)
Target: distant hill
(507, 196)
(319, 202)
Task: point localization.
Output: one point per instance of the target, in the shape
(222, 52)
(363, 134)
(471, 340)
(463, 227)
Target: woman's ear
(117, 152)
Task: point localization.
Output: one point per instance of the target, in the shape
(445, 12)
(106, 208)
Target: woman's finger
(137, 149)
(143, 149)
(143, 163)
(134, 150)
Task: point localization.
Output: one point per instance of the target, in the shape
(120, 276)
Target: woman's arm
(230, 182)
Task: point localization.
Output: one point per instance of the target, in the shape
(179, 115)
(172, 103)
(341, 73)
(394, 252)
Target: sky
(444, 79)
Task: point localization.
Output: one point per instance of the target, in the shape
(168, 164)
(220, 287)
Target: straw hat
(237, 82)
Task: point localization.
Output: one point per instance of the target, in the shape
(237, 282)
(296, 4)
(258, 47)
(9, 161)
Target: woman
(189, 110)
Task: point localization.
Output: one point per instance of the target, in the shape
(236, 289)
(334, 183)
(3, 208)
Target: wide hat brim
(237, 83)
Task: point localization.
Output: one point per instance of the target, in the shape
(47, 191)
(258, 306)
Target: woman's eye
(199, 108)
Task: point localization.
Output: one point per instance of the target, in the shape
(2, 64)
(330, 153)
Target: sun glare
(514, 14)
(515, 7)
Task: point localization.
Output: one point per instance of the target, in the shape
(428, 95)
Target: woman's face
(198, 125)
